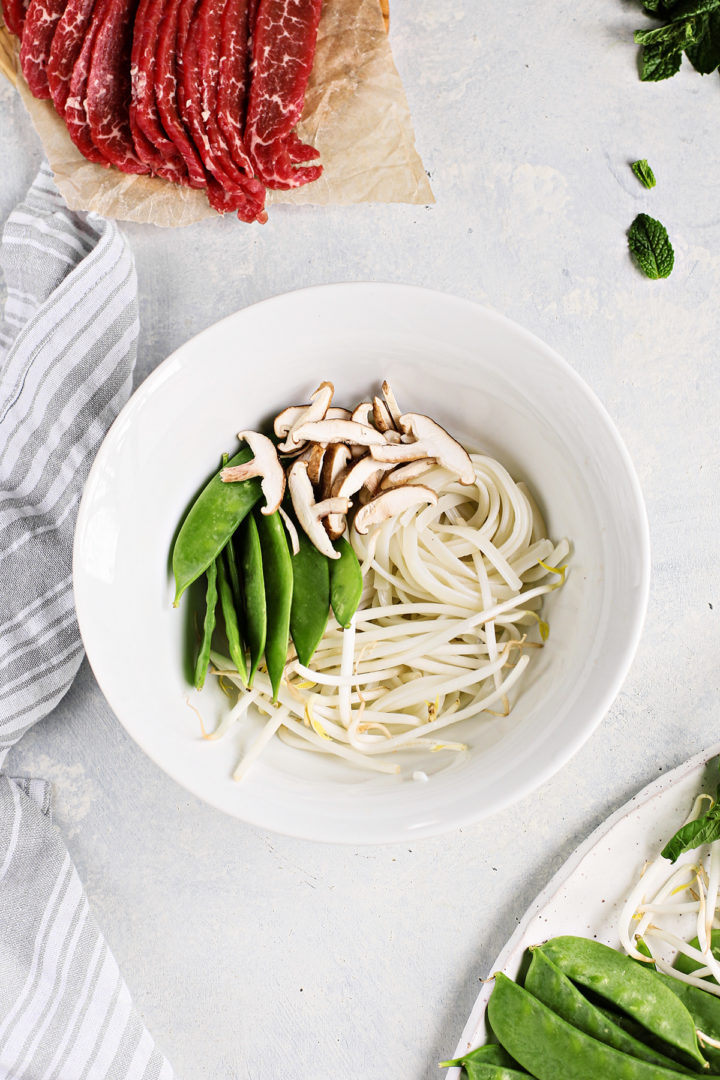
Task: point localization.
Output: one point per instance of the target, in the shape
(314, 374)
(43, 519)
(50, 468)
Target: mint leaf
(649, 243)
(687, 8)
(676, 35)
(704, 830)
(704, 55)
(659, 62)
(658, 8)
(644, 173)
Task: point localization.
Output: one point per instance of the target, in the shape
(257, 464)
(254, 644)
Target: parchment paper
(356, 114)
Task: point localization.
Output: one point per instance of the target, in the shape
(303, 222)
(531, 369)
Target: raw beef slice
(283, 49)
(108, 87)
(41, 22)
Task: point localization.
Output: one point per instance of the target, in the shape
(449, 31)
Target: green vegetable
(691, 27)
(659, 62)
(254, 593)
(487, 1063)
(209, 524)
(211, 596)
(552, 1049)
(227, 603)
(649, 243)
(644, 173)
(704, 1009)
(704, 829)
(704, 55)
(310, 598)
(346, 583)
(548, 984)
(278, 577)
(633, 989)
(688, 965)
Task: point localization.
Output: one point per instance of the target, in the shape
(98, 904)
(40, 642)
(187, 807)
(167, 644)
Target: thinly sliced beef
(233, 78)
(108, 87)
(13, 12)
(170, 43)
(197, 106)
(151, 143)
(76, 119)
(41, 22)
(67, 43)
(283, 49)
(211, 14)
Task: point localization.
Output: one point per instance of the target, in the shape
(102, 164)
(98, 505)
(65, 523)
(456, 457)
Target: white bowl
(492, 385)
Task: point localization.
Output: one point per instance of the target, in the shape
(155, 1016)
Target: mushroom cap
(390, 503)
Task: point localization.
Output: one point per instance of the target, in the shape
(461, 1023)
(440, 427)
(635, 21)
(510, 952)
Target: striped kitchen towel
(68, 343)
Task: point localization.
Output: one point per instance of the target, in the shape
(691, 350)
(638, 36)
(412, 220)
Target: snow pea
(482, 1070)
(688, 965)
(209, 524)
(552, 1049)
(633, 989)
(310, 607)
(211, 596)
(232, 567)
(234, 574)
(278, 577)
(227, 603)
(549, 985)
(254, 593)
(346, 583)
(488, 1062)
(704, 1009)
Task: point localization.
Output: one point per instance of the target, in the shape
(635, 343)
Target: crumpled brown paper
(355, 114)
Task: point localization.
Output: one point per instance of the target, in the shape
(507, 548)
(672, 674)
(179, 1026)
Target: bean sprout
(665, 912)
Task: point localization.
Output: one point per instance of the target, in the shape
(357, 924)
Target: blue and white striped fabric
(68, 344)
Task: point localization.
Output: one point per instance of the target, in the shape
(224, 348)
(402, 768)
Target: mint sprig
(644, 173)
(690, 27)
(650, 245)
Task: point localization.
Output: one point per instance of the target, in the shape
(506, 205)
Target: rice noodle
(451, 594)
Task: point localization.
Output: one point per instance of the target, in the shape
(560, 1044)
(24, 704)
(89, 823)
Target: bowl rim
(633, 626)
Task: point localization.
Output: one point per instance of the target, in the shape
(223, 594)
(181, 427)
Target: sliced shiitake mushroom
(335, 431)
(310, 513)
(392, 405)
(316, 410)
(265, 464)
(406, 474)
(390, 503)
(431, 441)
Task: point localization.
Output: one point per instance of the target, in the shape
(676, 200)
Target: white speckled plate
(587, 893)
(492, 385)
